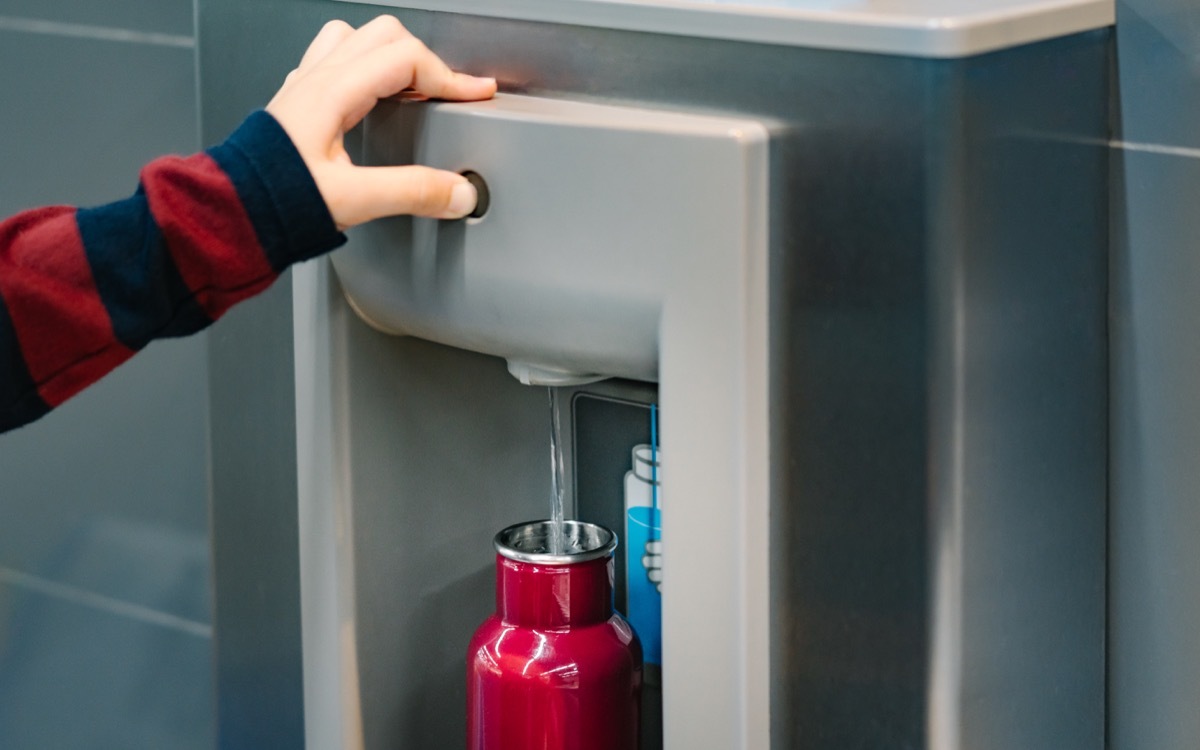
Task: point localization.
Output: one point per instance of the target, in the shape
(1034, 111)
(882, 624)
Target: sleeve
(82, 290)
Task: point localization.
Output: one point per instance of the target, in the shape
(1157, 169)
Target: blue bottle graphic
(643, 549)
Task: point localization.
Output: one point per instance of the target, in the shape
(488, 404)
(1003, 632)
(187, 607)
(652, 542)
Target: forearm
(82, 290)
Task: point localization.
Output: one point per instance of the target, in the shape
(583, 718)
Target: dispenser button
(481, 189)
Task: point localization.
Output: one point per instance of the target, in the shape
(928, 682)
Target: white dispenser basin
(596, 212)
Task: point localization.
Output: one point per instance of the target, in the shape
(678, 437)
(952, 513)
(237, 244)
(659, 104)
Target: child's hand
(343, 74)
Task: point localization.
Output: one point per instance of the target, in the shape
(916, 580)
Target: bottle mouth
(530, 542)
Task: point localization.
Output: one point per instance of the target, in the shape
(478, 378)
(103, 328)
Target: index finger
(392, 68)
(409, 64)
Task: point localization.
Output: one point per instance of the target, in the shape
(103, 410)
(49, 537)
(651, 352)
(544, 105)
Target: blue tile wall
(81, 116)
(135, 490)
(77, 675)
(153, 16)
(105, 591)
(1154, 564)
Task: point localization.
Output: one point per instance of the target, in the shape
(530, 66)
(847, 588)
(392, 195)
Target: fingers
(394, 67)
(433, 78)
(411, 64)
(339, 80)
(331, 35)
(381, 31)
(395, 60)
(366, 193)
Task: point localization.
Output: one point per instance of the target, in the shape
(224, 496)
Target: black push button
(481, 189)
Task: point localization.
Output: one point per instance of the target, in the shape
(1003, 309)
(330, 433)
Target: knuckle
(389, 24)
(413, 46)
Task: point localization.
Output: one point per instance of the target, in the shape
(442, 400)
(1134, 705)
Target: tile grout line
(103, 33)
(1162, 149)
(1156, 148)
(104, 603)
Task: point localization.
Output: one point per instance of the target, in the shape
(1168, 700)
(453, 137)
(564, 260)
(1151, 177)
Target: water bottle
(555, 668)
(643, 551)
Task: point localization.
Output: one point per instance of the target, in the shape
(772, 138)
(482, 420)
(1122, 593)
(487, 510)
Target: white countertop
(919, 28)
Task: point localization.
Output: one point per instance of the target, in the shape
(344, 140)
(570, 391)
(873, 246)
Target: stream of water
(557, 539)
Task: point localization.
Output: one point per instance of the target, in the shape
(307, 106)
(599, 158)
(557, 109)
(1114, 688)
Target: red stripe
(83, 373)
(207, 231)
(62, 326)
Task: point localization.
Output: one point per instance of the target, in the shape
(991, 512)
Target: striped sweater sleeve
(82, 290)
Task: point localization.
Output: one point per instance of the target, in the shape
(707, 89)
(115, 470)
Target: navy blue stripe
(289, 215)
(19, 400)
(135, 275)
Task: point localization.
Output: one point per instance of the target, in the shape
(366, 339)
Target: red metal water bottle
(555, 668)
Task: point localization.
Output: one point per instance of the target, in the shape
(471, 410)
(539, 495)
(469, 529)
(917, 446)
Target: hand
(652, 561)
(341, 77)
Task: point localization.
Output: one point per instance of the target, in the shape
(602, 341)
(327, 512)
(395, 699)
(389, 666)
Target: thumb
(363, 193)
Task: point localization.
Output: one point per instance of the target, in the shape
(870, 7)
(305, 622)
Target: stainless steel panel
(1155, 588)
(1154, 609)
(920, 28)
(1019, 353)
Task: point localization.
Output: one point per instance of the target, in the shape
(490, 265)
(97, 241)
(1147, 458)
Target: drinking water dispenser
(852, 256)
(619, 242)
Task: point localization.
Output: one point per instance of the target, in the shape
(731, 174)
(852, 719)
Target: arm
(82, 290)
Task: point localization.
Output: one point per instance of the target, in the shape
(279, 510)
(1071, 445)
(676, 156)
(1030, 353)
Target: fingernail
(481, 79)
(462, 200)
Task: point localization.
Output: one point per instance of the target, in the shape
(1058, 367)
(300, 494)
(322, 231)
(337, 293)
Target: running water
(557, 541)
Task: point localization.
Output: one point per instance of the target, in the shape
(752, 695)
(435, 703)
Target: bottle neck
(554, 596)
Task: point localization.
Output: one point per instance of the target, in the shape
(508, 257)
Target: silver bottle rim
(529, 542)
